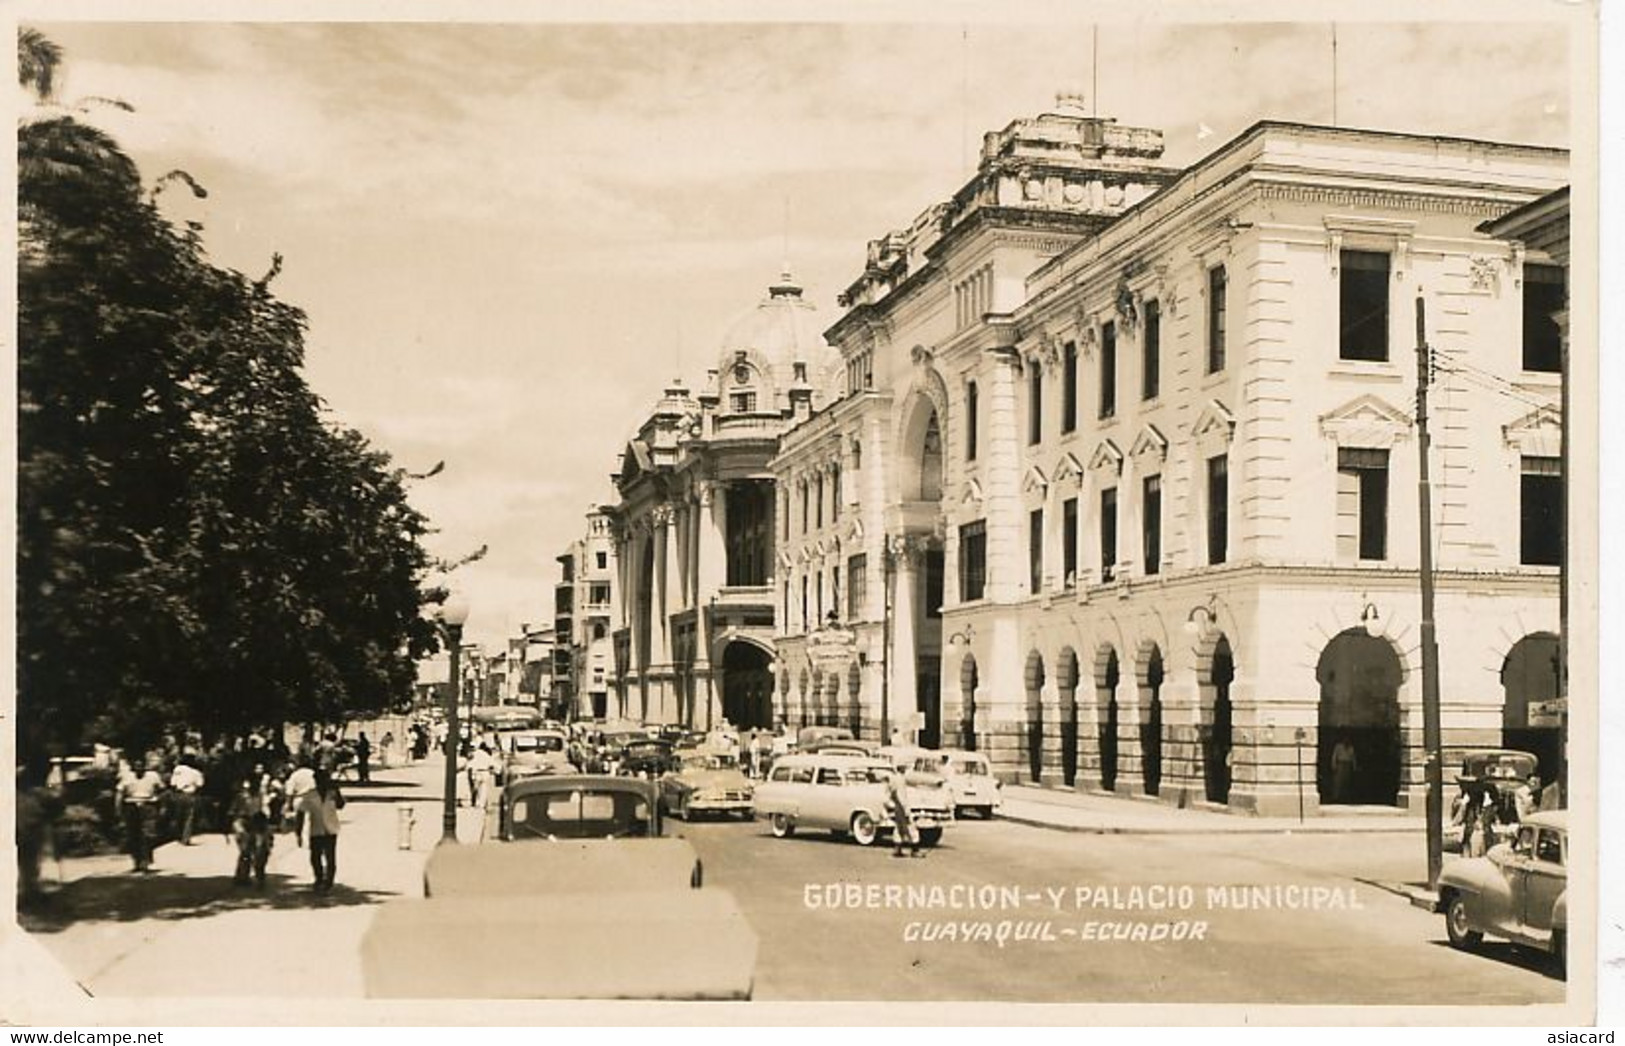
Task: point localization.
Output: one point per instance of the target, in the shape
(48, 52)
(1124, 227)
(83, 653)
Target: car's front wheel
(1458, 925)
(783, 826)
(864, 829)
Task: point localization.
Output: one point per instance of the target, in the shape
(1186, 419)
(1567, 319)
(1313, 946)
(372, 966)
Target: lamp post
(1431, 732)
(453, 614)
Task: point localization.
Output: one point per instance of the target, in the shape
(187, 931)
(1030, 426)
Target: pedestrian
(903, 833)
(386, 748)
(299, 784)
(135, 801)
(1344, 765)
(250, 818)
(1526, 800)
(327, 753)
(186, 786)
(38, 808)
(321, 806)
(480, 767)
(363, 758)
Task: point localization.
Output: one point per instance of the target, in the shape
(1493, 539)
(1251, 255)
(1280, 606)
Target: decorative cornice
(1378, 199)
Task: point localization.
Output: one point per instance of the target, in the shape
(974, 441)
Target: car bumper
(720, 805)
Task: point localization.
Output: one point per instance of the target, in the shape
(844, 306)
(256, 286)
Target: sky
(509, 238)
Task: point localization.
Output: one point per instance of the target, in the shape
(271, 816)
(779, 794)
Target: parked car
(845, 794)
(971, 782)
(1518, 891)
(527, 753)
(573, 893)
(1499, 772)
(707, 782)
(646, 758)
(811, 735)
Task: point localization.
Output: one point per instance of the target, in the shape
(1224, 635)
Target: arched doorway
(1216, 744)
(1107, 675)
(1066, 679)
(1151, 727)
(967, 699)
(1359, 753)
(1035, 716)
(1529, 674)
(747, 686)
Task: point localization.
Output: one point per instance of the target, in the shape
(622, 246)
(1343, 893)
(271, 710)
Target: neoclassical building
(696, 520)
(1125, 471)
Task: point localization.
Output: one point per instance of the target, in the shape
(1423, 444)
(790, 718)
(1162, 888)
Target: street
(826, 935)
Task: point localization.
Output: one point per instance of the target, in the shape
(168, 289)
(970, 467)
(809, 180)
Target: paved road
(1364, 945)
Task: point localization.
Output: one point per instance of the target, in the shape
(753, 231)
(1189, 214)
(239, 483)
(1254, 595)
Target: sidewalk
(188, 929)
(1116, 815)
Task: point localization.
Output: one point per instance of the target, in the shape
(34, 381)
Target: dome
(778, 344)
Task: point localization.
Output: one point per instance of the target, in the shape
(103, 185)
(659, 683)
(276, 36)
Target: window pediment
(1538, 434)
(1215, 424)
(1034, 481)
(1150, 441)
(1368, 421)
(854, 531)
(1107, 455)
(972, 494)
(1069, 467)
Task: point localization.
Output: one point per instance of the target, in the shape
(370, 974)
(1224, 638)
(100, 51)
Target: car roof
(572, 782)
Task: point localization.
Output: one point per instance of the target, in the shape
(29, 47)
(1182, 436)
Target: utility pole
(1431, 740)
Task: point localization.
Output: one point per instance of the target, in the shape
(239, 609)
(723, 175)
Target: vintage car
(969, 777)
(707, 782)
(646, 758)
(571, 892)
(845, 794)
(1497, 773)
(526, 753)
(808, 736)
(1518, 891)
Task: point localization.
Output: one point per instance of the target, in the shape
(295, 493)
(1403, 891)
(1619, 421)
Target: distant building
(583, 675)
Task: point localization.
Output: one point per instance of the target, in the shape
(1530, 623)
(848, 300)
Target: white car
(970, 780)
(845, 794)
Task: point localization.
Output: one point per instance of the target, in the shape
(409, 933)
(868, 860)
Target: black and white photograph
(875, 514)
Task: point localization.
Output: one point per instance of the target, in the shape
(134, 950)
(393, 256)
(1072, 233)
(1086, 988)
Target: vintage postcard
(857, 514)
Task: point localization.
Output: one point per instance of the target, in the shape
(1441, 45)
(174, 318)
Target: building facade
(1128, 467)
(583, 683)
(695, 522)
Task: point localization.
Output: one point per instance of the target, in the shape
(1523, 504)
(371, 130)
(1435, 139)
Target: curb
(1101, 829)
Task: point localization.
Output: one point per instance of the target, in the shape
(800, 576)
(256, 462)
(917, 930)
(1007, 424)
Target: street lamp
(453, 614)
(1202, 617)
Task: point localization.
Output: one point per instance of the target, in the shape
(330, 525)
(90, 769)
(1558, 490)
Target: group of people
(1485, 813)
(305, 800)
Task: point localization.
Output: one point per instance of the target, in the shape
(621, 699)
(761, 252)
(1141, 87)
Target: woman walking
(321, 806)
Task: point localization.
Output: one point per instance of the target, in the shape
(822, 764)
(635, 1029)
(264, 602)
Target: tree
(198, 544)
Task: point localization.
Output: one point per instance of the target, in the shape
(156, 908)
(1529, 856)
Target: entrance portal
(1216, 745)
(1106, 681)
(1360, 751)
(1528, 675)
(1035, 716)
(747, 687)
(1066, 673)
(1151, 728)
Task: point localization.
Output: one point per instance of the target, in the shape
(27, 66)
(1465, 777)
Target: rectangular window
(806, 508)
(835, 493)
(1108, 370)
(818, 605)
(742, 402)
(805, 584)
(1218, 508)
(1362, 503)
(933, 582)
(1151, 352)
(1108, 534)
(1069, 389)
(1035, 403)
(1541, 513)
(970, 421)
(972, 561)
(818, 501)
(603, 560)
(1069, 540)
(1151, 524)
(835, 590)
(857, 582)
(1542, 296)
(1363, 306)
(1035, 550)
(598, 594)
(1215, 319)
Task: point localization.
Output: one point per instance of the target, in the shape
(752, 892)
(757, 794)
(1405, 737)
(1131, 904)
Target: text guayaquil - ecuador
(1156, 897)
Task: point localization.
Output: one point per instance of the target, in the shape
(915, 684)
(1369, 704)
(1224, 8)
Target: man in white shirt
(185, 782)
(299, 784)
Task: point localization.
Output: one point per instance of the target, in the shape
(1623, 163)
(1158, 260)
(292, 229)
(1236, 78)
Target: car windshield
(580, 814)
(538, 743)
(971, 767)
(710, 761)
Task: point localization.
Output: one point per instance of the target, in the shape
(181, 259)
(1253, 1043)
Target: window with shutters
(1218, 509)
(1108, 370)
(1151, 352)
(1108, 534)
(972, 560)
(1362, 503)
(742, 402)
(1541, 512)
(1363, 306)
(1069, 541)
(1151, 523)
(1035, 550)
(1542, 297)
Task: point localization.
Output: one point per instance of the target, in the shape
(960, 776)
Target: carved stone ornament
(1484, 274)
(921, 356)
(1128, 313)
(1049, 351)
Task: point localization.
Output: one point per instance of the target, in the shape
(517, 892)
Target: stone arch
(1149, 672)
(1108, 673)
(1360, 746)
(1033, 678)
(925, 406)
(1066, 681)
(968, 682)
(747, 684)
(1529, 674)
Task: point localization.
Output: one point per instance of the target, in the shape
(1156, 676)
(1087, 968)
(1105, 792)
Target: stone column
(903, 666)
